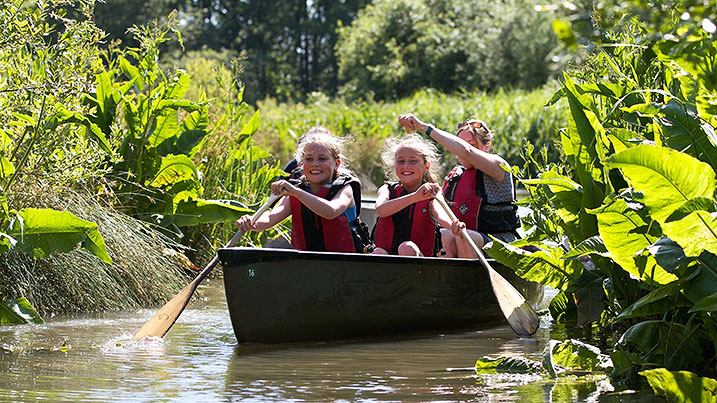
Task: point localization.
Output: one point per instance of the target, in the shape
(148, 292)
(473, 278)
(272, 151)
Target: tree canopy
(368, 49)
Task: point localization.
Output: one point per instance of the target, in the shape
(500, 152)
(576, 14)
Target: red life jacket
(310, 231)
(412, 223)
(466, 190)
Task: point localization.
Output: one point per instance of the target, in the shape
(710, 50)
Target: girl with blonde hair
(408, 217)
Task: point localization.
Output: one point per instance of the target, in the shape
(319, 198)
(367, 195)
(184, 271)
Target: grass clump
(147, 268)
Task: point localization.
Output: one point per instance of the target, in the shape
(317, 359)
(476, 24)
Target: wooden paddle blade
(159, 324)
(517, 311)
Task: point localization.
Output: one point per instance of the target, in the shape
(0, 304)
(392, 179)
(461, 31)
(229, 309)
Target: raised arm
(478, 158)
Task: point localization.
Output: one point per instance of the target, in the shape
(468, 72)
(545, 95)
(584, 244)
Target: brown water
(95, 359)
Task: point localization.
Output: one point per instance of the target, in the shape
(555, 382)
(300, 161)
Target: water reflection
(94, 358)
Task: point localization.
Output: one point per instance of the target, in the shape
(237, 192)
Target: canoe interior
(282, 295)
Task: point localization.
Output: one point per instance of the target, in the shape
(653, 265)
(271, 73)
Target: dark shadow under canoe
(284, 295)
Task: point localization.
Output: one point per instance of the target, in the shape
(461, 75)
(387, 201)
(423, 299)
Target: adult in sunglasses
(480, 191)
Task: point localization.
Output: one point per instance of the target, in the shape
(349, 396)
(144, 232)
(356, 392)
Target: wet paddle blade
(520, 315)
(517, 311)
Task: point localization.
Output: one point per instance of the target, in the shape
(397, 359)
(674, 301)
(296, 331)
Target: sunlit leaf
(564, 33)
(543, 267)
(667, 178)
(681, 386)
(18, 311)
(40, 232)
(173, 169)
(198, 211)
(6, 168)
(576, 355)
(625, 233)
(592, 245)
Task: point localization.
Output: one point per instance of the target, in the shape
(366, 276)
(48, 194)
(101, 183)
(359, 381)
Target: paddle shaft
(159, 324)
(520, 315)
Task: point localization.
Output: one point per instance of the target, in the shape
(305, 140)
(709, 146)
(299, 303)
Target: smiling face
(319, 164)
(410, 167)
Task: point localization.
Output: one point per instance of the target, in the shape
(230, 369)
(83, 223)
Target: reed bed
(146, 270)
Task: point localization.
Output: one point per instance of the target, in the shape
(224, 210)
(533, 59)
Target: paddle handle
(272, 198)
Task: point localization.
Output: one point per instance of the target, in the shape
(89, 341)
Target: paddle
(520, 315)
(159, 324)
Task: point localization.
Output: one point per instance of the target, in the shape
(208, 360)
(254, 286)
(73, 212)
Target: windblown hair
(323, 136)
(424, 147)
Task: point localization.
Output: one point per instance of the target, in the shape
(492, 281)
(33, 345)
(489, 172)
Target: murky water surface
(95, 359)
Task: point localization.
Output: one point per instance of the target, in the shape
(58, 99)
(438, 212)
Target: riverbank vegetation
(624, 226)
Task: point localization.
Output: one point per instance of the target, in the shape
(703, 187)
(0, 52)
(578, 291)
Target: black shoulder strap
(339, 183)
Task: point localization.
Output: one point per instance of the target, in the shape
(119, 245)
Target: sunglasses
(473, 126)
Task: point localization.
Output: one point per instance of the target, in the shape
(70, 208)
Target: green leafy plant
(43, 67)
(155, 177)
(18, 311)
(625, 228)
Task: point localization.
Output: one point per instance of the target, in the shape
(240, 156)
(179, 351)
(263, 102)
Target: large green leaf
(681, 386)
(668, 254)
(544, 267)
(511, 365)
(707, 304)
(592, 245)
(562, 307)
(6, 167)
(683, 131)
(667, 178)
(173, 169)
(693, 226)
(566, 200)
(625, 233)
(186, 138)
(249, 128)
(40, 232)
(194, 212)
(574, 354)
(664, 341)
(662, 300)
(589, 297)
(164, 127)
(178, 85)
(18, 311)
(131, 72)
(701, 279)
(676, 188)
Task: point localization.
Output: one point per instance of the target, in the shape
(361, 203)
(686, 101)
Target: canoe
(285, 295)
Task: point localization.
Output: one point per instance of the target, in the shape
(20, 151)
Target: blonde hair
(323, 136)
(421, 145)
